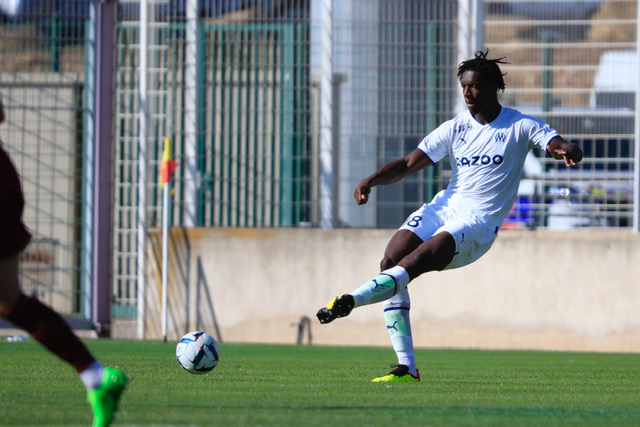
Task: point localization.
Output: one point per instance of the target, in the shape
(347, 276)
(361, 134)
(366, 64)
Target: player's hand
(561, 149)
(571, 156)
(361, 193)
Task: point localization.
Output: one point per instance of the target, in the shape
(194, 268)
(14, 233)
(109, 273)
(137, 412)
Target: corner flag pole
(167, 168)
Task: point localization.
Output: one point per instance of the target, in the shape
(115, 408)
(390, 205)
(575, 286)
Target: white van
(616, 80)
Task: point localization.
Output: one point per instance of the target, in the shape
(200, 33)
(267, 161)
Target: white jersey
(487, 161)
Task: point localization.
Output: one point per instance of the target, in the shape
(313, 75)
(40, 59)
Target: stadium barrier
(533, 290)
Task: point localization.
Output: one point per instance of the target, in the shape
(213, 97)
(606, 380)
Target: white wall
(534, 290)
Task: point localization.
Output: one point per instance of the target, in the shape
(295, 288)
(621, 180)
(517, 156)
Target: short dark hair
(489, 68)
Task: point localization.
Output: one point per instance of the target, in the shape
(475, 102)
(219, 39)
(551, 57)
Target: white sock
(92, 376)
(396, 316)
(382, 287)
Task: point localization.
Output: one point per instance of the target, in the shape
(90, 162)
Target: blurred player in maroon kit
(104, 385)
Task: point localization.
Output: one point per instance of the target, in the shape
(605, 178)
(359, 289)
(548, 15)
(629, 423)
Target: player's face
(479, 93)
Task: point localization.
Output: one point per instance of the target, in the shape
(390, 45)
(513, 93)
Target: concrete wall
(534, 290)
(43, 136)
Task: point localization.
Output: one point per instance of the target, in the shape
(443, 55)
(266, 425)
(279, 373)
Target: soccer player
(486, 146)
(104, 385)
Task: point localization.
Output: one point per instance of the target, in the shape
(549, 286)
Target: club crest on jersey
(501, 138)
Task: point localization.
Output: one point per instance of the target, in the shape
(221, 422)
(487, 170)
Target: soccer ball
(197, 352)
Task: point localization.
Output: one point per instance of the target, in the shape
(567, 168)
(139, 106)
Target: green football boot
(104, 399)
(399, 374)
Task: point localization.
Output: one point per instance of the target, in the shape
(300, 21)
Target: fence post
(54, 41)
(146, 16)
(326, 112)
(103, 161)
(470, 35)
(636, 160)
(547, 82)
(88, 159)
(191, 117)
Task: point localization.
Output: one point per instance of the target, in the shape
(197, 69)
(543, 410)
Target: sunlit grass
(319, 386)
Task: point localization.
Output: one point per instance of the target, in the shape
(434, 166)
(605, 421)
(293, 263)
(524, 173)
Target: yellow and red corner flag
(168, 166)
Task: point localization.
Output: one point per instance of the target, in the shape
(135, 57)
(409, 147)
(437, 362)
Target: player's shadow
(190, 301)
(206, 313)
(178, 285)
(181, 298)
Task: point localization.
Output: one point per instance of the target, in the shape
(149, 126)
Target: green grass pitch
(289, 385)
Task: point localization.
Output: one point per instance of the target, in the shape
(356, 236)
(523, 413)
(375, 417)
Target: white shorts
(473, 236)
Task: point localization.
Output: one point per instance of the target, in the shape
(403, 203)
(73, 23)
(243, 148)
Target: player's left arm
(561, 149)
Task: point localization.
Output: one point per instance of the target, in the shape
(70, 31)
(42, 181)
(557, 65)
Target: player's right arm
(391, 173)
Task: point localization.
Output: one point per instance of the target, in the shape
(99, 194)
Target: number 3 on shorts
(414, 221)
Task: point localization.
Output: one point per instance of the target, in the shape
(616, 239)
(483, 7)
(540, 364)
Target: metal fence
(262, 99)
(41, 83)
(574, 65)
(277, 109)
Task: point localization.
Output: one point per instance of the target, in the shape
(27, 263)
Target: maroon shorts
(14, 236)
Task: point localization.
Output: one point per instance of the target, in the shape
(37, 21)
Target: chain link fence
(41, 84)
(575, 65)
